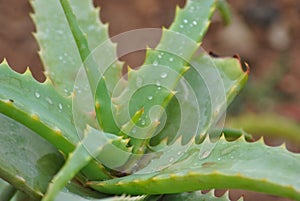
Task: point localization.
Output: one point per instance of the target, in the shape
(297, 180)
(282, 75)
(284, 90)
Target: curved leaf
(68, 196)
(6, 191)
(164, 65)
(238, 164)
(27, 161)
(233, 78)
(89, 148)
(267, 124)
(58, 49)
(38, 106)
(197, 196)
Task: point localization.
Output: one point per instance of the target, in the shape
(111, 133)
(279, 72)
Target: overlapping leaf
(238, 164)
(27, 161)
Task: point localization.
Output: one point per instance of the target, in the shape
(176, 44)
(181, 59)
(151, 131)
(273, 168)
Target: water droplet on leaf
(158, 83)
(49, 100)
(37, 95)
(164, 75)
(60, 106)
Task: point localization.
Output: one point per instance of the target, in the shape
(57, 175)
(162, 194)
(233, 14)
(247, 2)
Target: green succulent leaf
(68, 196)
(233, 80)
(165, 65)
(267, 124)
(90, 147)
(237, 164)
(37, 106)
(58, 49)
(20, 196)
(6, 191)
(224, 10)
(27, 161)
(197, 196)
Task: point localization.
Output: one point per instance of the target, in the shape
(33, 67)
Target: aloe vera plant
(91, 133)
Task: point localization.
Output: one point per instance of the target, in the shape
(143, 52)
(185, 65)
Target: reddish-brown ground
(266, 34)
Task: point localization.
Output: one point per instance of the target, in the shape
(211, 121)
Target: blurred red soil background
(265, 33)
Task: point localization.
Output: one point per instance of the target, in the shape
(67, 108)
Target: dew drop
(49, 100)
(179, 153)
(185, 21)
(150, 97)
(158, 83)
(164, 75)
(159, 56)
(171, 59)
(143, 122)
(204, 154)
(171, 159)
(181, 26)
(133, 130)
(37, 95)
(155, 63)
(60, 58)
(60, 106)
(219, 159)
(195, 22)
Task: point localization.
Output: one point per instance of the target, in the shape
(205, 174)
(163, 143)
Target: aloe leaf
(37, 106)
(87, 149)
(27, 161)
(200, 79)
(58, 49)
(165, 65)
(91, 66)
(267, 124)
(74, 187)
(197, 196)
(20, 196)
(68, 196)
(6, 191)
(237, 164)
(224, 10)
